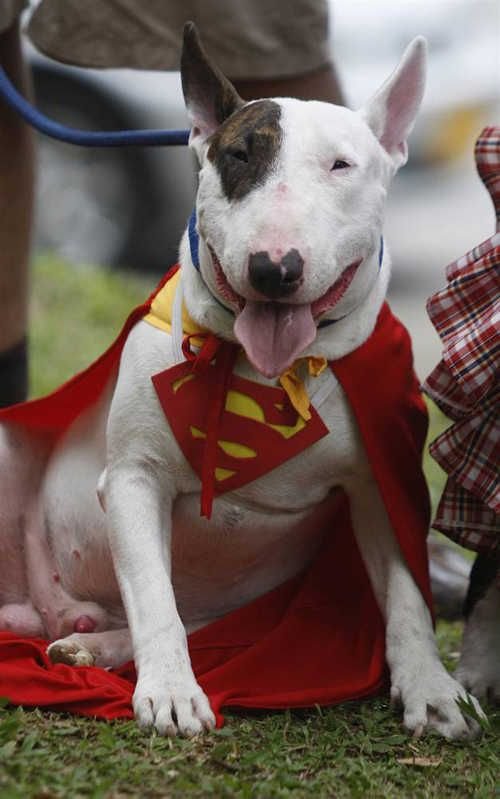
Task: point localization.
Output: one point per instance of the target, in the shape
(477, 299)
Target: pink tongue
(274, 334)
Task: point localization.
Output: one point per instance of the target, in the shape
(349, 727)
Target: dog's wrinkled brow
(246, 146)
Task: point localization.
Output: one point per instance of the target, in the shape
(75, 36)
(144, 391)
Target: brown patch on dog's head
(243, 140)
(245, 147)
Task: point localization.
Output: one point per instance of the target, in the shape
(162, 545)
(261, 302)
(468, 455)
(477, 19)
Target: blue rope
(194, 240)
(84, 138)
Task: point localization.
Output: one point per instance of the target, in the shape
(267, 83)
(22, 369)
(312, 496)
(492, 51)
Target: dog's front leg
(139, 512)
(419, 680)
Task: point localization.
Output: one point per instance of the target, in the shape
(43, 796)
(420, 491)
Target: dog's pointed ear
(209, 96)
(391, 112)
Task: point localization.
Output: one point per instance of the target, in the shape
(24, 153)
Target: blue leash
(84, 138)
(119, 138)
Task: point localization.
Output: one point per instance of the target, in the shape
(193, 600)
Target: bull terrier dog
(287, 240)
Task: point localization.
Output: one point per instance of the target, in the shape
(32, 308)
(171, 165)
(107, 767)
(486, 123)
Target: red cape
(318, 638)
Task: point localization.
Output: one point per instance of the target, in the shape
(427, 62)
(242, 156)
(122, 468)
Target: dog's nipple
(84, 624)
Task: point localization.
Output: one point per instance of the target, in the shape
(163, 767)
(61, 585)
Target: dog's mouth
(274, 333)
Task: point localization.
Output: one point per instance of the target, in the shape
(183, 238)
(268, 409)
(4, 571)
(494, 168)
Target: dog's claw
(183, 711)
(480, 676)
(143, 711)
(430, 703)
(395, 700)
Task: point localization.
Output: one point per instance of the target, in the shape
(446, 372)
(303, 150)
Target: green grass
(75, 314)
(353, 750)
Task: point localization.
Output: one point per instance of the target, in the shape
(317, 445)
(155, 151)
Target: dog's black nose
(275, 280)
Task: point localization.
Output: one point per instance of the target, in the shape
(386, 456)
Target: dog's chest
(266, 453)
(267, 530)
(239, 554)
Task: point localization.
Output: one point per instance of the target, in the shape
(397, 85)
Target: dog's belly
(240, 554)
(72, 519)
(217, 565)
(78, 540)
(22, 458)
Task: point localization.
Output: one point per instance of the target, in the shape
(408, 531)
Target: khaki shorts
(247, 38)
(9, 12)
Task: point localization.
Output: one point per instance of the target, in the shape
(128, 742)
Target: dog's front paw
(172, 707)
(433, 700)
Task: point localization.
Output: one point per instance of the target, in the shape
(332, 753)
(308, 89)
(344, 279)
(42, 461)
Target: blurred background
(127, 208)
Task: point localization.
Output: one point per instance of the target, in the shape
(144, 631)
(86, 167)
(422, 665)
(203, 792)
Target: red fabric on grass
(305, 643)
(317, 639)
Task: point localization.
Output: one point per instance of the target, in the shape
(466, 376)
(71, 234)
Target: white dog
(289, 215)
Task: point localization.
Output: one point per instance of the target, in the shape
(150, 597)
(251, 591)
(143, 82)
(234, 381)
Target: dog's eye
(339, 164)
(240, 155)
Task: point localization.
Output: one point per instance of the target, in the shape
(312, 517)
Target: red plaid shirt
(465, 385)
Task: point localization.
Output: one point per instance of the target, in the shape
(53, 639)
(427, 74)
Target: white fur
(479, 666)
(139, 555)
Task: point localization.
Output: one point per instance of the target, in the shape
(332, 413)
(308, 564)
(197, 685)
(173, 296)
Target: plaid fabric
(465, 385)
(487, 161)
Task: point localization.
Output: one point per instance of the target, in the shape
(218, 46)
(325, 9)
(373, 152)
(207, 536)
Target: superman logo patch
(257, 429)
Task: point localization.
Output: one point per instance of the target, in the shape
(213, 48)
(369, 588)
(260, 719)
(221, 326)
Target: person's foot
(14, 374)
(449, 572)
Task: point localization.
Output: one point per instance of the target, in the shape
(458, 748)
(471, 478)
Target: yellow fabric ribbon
(294, 385)
(160, 315)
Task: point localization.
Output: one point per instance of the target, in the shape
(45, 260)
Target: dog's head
(291, 199)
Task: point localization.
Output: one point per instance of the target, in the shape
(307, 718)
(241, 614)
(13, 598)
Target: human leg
(16, 212)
